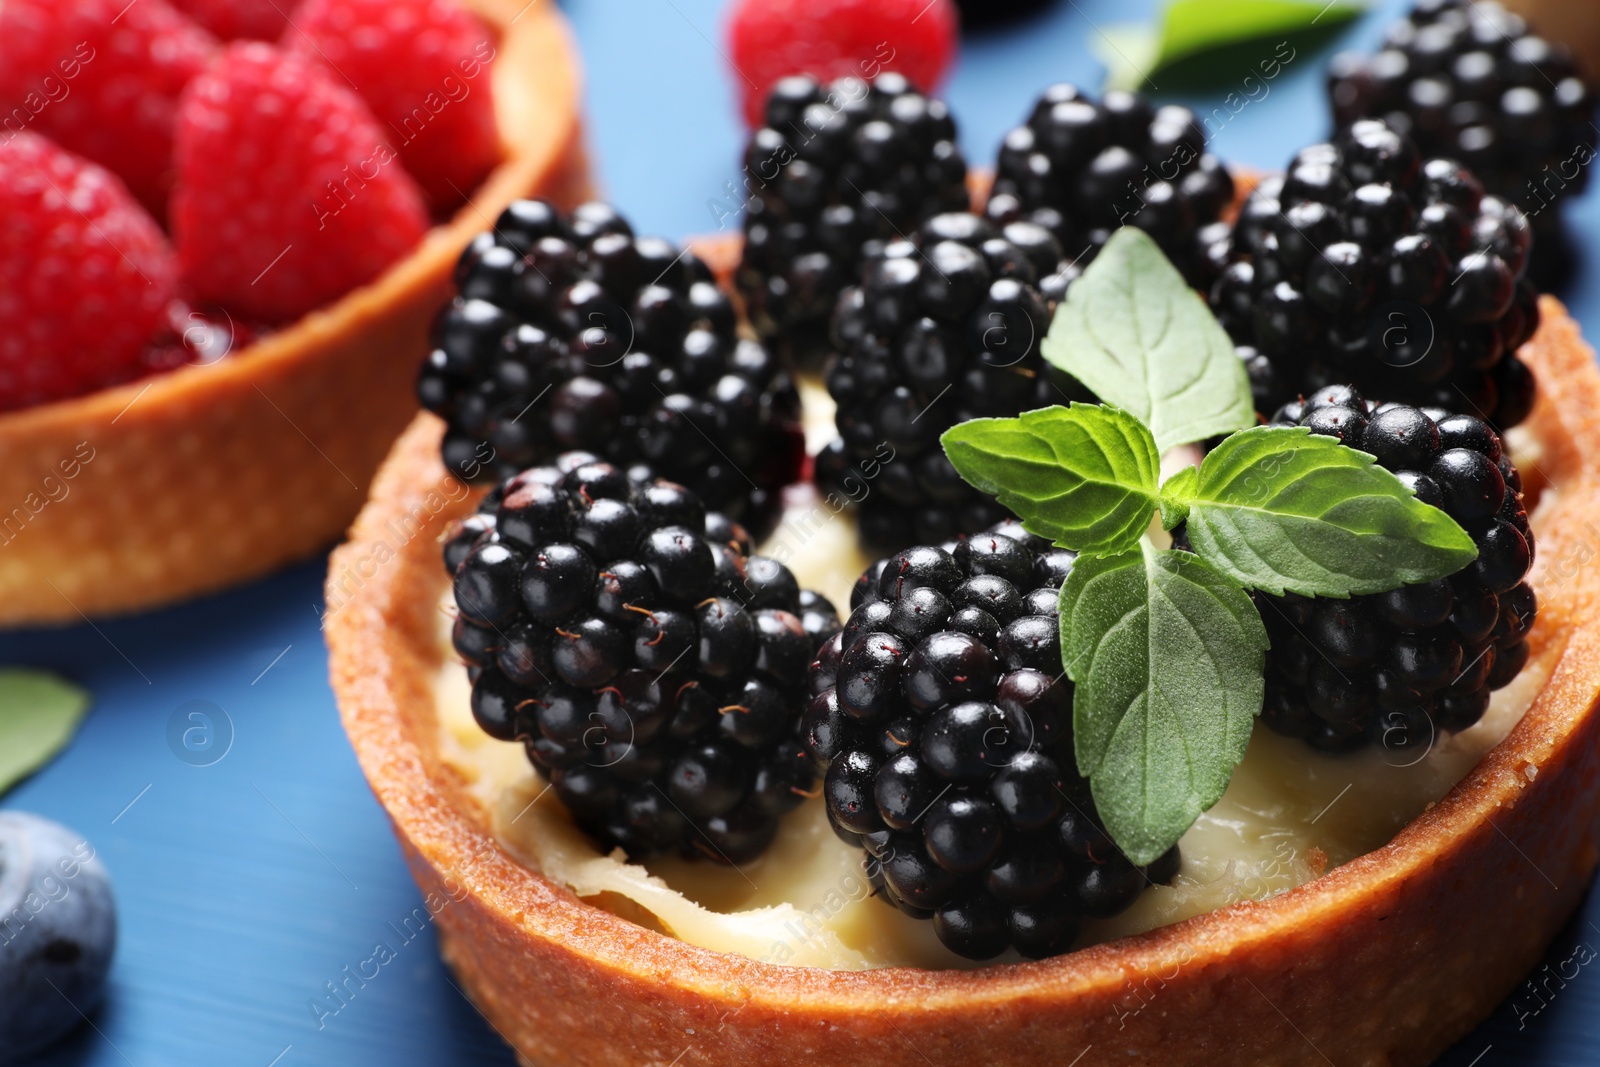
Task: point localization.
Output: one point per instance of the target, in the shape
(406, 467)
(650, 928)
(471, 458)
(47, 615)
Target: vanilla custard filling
(1288, 815)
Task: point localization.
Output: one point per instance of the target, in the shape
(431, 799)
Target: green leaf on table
(1130, 51)
(1278, 508)
(1167, 656)
(1188, 29)
(1133, 331)
(1083, 476)
(39, 713)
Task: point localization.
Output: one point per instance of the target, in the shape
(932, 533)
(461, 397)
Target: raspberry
(942, 723)
(232, 20)
(85, 274)
(572, 332)
(422, 66)
(828, 39)
(102, 78)
(288, 193)
(652, 668)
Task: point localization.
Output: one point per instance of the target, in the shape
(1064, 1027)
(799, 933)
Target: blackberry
(653, 669)
(1365, 263)
(1396, 669)
(1467, 80)
(569, 332)
(1081, 168)
(944, 327)
(942, 723)
(986, 13)
(837, 170)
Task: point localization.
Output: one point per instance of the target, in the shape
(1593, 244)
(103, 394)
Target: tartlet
(1398, 940)
(200, 478)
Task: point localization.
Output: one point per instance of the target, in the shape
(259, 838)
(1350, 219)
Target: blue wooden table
(253, 875)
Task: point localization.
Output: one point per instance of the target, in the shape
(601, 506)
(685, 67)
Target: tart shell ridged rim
(1414, 942)
(105, 548)
(506, 182)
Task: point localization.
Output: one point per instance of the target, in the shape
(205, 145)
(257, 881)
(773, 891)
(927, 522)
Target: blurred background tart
(226, 259)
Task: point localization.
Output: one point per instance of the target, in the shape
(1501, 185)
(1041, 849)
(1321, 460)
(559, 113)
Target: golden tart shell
(1387, 959)
(208, 476)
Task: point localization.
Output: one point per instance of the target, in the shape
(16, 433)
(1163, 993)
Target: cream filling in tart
(1289, 813)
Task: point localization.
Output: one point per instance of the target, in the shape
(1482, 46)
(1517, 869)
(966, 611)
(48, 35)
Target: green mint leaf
(1279, 508)
(38, 715)
(1177, 493)
(1084, 476)
(1189, 30)
(1133, 331)
(1167, 656)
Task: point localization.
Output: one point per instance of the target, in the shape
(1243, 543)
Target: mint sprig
(1278, 508)
(1083, 474)
(1142, 635)
(1166, 648)
(1133, 331)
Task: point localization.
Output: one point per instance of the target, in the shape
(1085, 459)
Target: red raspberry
(232, 20)
(423, 68)
(85, 274)
(770, 39)
(289, 194)
(101, 78)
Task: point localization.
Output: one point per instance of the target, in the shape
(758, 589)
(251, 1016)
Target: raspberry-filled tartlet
(1223, 716)
(217, 299)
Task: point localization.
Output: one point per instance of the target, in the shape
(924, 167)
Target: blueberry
(58, 931)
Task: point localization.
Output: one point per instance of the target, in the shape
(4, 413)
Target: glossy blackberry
(946, 750)
(1365, 263)
(1468, 80)
(1398, 669)
(653, 669)
(1082, 167)
(986, 13)
(944, 327)
(837, 170)
(569, 332)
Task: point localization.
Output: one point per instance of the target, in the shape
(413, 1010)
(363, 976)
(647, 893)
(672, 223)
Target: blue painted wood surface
(248, 885)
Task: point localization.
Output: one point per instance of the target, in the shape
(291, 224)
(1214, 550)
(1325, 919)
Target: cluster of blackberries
(1465, 79)
(654, 670)
(944, 327)
(837, 171)
(1397, 669)
(1363, 263)
(1082, 168)
(572, 333)
(943, 725)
